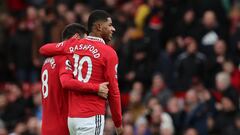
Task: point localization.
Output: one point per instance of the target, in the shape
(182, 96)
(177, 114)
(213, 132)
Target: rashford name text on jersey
(90, 48)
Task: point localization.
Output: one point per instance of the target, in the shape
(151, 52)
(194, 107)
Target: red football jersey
(56, 75)
(54, 99)
(94, 62)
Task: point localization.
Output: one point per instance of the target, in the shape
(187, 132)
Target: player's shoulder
(109, 52)
(64, 43)
(57, 44)
(69, 41)
(111, 49)
(108, 49)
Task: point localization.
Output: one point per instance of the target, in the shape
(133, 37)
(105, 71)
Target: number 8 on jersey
(45, 83)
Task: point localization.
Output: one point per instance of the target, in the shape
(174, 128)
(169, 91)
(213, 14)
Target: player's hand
(103, 90)
(119, 130)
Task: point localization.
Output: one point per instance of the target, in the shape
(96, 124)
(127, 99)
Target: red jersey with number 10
(94, 62)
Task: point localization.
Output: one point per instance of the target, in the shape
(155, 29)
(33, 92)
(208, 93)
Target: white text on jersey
(51, 61)
(90, 48)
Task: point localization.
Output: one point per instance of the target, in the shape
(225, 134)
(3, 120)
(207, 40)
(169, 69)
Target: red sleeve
(67, 81)
(52, 49)
(114, 93)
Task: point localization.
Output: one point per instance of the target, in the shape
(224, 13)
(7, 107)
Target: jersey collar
(95, 39)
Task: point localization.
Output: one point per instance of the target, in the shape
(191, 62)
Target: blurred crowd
(179, 63)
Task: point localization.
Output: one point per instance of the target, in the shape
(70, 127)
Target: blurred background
(179, 63)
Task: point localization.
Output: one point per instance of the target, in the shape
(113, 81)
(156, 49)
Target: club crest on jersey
(51, 61)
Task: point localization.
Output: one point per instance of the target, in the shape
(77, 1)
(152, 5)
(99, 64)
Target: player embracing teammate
(91, 63)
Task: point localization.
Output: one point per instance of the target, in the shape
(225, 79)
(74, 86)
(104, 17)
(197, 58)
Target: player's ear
(98, 26)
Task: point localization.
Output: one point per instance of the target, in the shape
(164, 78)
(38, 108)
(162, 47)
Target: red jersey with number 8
(54, 99)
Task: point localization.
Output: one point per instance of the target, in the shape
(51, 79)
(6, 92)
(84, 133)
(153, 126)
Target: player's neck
(95, 34)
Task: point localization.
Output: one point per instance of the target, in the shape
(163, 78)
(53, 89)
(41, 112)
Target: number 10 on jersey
(78, 65)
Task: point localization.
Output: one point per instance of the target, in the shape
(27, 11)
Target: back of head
(95, 16)
(72, 29)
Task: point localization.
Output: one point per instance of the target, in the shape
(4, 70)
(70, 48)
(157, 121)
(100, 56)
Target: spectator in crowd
(20, 53)
(3, 131)
(151, 102)
(38, 104)
(141, 126)
(3, 104)
(160, 121)
(61, 9)
(138, 61)
(190, 65)
(15, 103)
(174, 108)
(128, 130)
(6, 21)
(225, 117)
(153, 28)
(235, 128)
(159, 89)
(166, 61)
(188, 26)
(136, 107)
(210, 32)
(166, 127)
(234, 72)
(235, 33)
(19, 129)
(127, 118)
(33, 126)
(155, 119)
(195, 113)
(16, 7)
(37, 3)
(109, 127)
(216, 60)
(191, 131)
(223, 85)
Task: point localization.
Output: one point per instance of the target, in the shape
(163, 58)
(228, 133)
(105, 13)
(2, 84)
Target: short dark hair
(97, 15)
(73, 28)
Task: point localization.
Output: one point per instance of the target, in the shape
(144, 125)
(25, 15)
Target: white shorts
(86, 126)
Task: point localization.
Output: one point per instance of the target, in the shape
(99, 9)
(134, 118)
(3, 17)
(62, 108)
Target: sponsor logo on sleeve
(60, 44)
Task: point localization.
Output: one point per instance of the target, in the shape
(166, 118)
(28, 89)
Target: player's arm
(114, 93)
(69, 83)
(52, 49)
